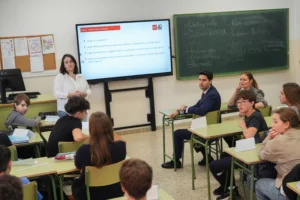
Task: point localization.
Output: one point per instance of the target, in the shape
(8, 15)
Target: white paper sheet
(245, 145)
(9, 62)
(21, 46)
(199, 123)
(34, 45)
(48, 44)
(51, 118)
(19, 132)
(36, 63)
(7, 48)
(152, 193)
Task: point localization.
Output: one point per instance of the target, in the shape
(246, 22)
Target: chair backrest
(30, 191)
(211, 117)
(14, 153)
(107, 175)
(64, 147)
(267, 111)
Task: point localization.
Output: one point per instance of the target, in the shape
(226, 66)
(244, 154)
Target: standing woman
(290, 95)
(280, 147)
(102, 150)
(247, 82)
(69, 83)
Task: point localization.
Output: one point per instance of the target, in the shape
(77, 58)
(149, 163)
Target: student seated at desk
(281, 146)
(16, 117)
(290, 95)
(6, 165)
(247, 82)
(102, 150)
(68, 128)
(10, 188)
(136, 179)
(210, 101)
(253, 123)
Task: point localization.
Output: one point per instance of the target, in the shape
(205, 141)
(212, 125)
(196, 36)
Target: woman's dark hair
(292, 93)
(76, 104)
(62, 65)
(208, 74)
(288, 115)
(101, 134)
(250, 77)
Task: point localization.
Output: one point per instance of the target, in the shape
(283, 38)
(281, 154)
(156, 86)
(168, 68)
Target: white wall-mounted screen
(124, 50)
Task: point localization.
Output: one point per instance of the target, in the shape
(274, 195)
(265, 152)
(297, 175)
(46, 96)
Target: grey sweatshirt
(15, 119)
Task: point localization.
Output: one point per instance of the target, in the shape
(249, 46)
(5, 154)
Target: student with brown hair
(247, 82)
(280, 147)
(16, 117)
(102, 150)
(290, 95)
(10, 188)
(136, 178)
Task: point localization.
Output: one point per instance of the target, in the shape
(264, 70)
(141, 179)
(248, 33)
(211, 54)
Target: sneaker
(219, 191)
(203, 161)
(226, 194)
(170, 165)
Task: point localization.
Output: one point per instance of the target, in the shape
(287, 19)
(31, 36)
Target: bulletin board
(23, 62)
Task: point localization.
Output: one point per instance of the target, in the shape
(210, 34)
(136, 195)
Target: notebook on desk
(18, 139)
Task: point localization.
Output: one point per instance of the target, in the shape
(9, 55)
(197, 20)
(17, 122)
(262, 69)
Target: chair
(267, 111)
(14, 153)
(104, 176)
(30, 191)
(64, 147)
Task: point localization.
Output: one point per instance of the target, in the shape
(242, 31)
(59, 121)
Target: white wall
(58, 17)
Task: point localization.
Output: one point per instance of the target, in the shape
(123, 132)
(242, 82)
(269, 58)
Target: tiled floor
(149, 147)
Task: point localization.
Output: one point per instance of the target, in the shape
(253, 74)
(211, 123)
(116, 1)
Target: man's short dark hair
(208, 74)
(10, 188)
(5, 155)
(20, 97)
(247, 95)
(136, 177)
(76, 104)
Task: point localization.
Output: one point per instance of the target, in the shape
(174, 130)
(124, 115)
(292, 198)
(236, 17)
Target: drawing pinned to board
(8, 53)
(48, 44)
(36, 63)
(35, 47)
(21, 46)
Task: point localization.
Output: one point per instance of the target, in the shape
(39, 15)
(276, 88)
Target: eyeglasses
(241, 102)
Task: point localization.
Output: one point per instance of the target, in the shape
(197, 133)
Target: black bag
(78, 189)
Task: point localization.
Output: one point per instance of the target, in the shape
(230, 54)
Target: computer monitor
(10, 80)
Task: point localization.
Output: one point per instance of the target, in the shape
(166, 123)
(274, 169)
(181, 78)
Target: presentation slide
(128, 49)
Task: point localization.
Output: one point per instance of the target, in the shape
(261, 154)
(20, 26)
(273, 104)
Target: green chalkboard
(231, 42)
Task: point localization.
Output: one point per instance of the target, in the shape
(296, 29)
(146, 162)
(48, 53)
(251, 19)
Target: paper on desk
(152, 193)
(199, 123)
(298, 185)
(51, 118)
(36, 63)
(19, 132)
(28, 161)
(85, 128)
(21, 46)
(245, 145)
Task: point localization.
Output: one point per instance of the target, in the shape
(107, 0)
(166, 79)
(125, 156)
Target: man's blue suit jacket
(210, 102)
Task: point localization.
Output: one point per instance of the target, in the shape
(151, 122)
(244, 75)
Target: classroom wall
(59, 18)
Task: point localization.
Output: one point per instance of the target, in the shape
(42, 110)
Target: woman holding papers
(251, 125)
(102, 150)
(69, 83)
(247, 82)
(69, 127)
(290, 95)
(281, 146)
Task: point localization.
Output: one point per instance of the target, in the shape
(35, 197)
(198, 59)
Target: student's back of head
(10, 188)
(136, 178)
(76, 104)
(5, 156)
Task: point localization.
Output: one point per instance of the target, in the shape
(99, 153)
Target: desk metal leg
(164, 138)
(252, 182)
(174, 156)
(53, 187)
(61, 178)
(231, 177)
(192, 157)
(206, 146)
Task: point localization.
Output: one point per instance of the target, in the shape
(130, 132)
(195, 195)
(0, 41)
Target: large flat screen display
(124, 50)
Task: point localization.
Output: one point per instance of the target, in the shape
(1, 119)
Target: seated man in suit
(210, 101)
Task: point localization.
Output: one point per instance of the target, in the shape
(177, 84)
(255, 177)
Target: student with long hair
(247, 82)
(290, 95)
(102, 150)
(280, 147)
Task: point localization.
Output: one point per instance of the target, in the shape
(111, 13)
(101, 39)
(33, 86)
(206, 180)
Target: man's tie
(202, 95)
